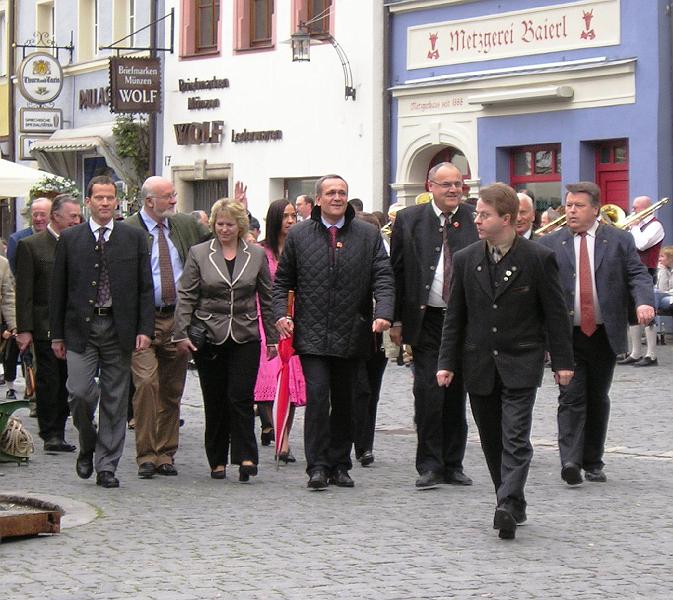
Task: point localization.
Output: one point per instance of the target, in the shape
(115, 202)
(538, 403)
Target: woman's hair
(667, 251)
(229, 207)
(274, 224)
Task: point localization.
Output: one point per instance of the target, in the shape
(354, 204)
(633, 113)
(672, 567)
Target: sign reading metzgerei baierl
(135, 85)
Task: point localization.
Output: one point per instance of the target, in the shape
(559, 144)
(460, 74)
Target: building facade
(237, 108)
(533, 93)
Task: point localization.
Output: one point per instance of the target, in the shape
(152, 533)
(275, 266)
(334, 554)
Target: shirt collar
(150, 223)
(95, 226)
(504, 248)
(53, 232)
(439, 213)
(592, 230)
(339, 224)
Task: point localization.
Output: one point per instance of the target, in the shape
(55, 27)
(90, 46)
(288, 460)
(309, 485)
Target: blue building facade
(535, 93)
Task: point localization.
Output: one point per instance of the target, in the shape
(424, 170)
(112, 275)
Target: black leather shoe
(245, 471)
(646, 361)
(457, 477)
(571, 474)
(317, 480)
(267, 437)
(341, 478)
(146, 470)
(629, 360)
(367, 458)
(107, 479)
(505, 522)
(219, 474)
(57, 444)
(84, 465)
(167, 469)
(429, 480)
(595, 476)
(287, 457)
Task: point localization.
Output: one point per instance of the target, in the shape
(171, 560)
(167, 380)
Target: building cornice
(414, 5)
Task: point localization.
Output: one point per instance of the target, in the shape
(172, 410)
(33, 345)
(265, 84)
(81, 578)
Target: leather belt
(164, 310)
(102, 311)
(435, 309)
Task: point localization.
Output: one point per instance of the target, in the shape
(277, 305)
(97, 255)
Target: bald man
(648, 234)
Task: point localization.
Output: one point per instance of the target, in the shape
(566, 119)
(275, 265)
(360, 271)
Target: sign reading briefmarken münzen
(135, 85)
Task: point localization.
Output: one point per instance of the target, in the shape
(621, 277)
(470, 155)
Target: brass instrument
(423, 198)
(611, 214)
(553, 226)
(631, 220)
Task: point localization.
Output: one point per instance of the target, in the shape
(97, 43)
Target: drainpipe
(11, 69)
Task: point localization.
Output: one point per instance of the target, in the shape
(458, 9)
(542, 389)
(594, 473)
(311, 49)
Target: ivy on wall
(132, 141)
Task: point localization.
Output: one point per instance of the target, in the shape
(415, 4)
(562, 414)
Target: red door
(612, 172)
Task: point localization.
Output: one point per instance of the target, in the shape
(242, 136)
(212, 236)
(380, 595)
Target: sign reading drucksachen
(135, 85)
(586, 24)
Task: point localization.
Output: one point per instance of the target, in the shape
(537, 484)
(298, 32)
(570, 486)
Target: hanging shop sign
(25, 144)
(207, 132)
(40, 120)
(135, 85)
(40, 78)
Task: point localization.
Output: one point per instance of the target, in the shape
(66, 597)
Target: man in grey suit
(506, 299)
(601, 273)
(102, 309)
(34, 265)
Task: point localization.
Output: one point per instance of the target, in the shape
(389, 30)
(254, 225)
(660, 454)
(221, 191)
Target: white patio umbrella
(16, 180)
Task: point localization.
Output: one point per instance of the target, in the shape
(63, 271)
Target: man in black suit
(34, 265)
(505, 296)
(425, 238)
(102, 309)
(601, 273)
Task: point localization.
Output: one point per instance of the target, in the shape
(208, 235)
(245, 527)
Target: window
(201, 30)
(123, 21)
(132, 22)
(254, 24)
(538, 170)
(3, 41)
(306, 10)
(87, 29)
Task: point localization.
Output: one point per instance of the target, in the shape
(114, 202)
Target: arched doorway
(456, 157)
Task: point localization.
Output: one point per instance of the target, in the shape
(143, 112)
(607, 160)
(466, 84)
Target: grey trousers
(104, 358)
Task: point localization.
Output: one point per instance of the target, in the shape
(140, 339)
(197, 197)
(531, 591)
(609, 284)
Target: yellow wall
(4, 109)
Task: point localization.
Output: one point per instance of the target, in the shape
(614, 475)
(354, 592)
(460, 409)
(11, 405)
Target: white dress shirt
(591, 244)
(435, 297)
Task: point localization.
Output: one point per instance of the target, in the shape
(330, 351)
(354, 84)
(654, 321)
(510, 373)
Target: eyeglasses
(482, 216)
(166, 196)
(446, 185)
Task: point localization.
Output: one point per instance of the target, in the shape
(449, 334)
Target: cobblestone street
(191, 537)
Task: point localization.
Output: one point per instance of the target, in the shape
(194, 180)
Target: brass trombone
(552, 226)
(631, 220)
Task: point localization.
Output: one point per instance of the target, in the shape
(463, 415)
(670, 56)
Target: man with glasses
(100, 312)
(506, 299)
(159, 371)
(425, 238)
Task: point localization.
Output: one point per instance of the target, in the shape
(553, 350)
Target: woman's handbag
(197, 333)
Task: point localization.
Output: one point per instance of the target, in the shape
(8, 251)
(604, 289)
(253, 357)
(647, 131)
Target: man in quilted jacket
(335, 264)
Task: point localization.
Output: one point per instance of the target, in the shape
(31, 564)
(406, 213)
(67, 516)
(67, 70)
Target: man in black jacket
(505, 296)
(424, 239)
(335, 264)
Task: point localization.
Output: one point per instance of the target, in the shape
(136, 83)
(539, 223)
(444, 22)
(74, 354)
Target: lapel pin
(508, 273)
(456, 224)
(340, 245)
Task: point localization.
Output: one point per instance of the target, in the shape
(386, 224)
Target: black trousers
(504, 419)
(328, 418)
(584, 404)
(227, 374)
(51, 395)
(441, 424)
(365, 401)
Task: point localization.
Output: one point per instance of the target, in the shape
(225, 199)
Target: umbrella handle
(290, 304)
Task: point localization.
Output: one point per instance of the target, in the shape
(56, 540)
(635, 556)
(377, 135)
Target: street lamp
(301, 51)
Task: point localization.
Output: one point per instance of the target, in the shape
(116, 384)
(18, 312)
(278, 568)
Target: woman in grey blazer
(218, 289)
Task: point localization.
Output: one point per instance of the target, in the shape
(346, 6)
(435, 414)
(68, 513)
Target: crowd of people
(113, 309)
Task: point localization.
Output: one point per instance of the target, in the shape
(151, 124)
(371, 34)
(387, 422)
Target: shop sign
(40, 78)
(197, 103)
(587, 24)
(207, 132)
(40, 120)
(94, 97)
(256, 136)
(25, 144)
(135, 85)
(188, 85)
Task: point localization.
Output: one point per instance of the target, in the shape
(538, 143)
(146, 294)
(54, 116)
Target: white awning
(59, 152)
(16, 179)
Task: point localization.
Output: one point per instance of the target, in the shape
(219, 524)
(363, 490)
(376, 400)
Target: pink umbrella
(281, 405)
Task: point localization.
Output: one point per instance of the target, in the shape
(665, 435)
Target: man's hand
(285, 327)
(58, 348)
(563, 377)
(184, 346)
(240, 193)
(396, 334)
(23, 340)
(444, 378)
(271, 351)
(645, 314)
(142, 342)
(380, 325)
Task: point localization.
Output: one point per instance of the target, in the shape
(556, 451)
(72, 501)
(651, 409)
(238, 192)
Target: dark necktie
(587, 310)
(448, 259)
(165, 270)
(104, 295)
(332, 236)
(496, 255)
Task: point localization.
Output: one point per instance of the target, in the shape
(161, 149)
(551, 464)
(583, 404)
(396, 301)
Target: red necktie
(587, 310)
(332, 236)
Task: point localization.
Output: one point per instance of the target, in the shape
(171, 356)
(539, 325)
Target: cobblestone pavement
(191, 537)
